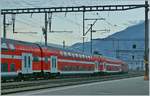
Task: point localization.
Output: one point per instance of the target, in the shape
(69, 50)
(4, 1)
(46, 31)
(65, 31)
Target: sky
(114, 21)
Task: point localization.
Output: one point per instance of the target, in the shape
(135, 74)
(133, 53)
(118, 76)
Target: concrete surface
(129, 86)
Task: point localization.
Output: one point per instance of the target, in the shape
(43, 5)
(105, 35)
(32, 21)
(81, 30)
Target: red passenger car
(22, 59)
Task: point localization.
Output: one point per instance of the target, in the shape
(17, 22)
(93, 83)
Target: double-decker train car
(21, 59)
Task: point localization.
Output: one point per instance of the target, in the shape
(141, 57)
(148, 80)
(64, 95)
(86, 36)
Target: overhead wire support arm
(90, 27)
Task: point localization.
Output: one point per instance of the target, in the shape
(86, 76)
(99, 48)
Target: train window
(4, 67)
(79, 55)
(12, 67)
(4, 47)
(46, 59)
(72, 55)
(61, 53)
(69, 54)
(76, 55)
(89, 57)
(29, 60)
(86, 57)
(35, 59)
(65, 54)
(83, 56)
(25, 61)
(11, 46)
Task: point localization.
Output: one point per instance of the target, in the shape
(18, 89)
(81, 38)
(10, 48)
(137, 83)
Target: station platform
(128, 86)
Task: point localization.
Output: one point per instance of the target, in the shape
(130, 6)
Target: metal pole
(83, 29)
(50, 22)
(113, 45)
(117, 49)
(13, 20)
(146, 57)
(63, 43)
(91, 39)
(4, 25)
(45, 29)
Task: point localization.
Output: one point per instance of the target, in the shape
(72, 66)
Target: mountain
(122, 40)
(126, 45)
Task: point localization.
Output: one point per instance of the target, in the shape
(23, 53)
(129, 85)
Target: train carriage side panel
(18, 57)
(73, 63)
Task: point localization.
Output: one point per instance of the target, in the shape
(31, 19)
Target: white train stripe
(75, 61)
(112, 64)
(11, 56)
(6, 56)
(17, 57)
(36, 70)
(60, 60)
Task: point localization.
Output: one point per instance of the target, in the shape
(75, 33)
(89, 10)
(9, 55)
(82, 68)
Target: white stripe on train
(75, 61)
(60, 60)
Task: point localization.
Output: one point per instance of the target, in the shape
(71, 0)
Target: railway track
(13, 87)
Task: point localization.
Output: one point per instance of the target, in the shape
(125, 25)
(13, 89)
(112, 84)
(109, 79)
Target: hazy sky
(115, 21)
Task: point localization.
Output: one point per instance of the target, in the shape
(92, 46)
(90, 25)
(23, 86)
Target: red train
(20, 59)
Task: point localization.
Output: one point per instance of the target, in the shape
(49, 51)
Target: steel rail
(7, 88)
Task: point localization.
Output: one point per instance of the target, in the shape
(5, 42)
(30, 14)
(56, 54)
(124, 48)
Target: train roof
(50, 46)
(63, 49)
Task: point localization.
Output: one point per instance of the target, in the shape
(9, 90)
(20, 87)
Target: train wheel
(20, 77)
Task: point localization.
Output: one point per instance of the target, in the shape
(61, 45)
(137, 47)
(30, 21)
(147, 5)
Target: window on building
(133, 57)
(134, 46)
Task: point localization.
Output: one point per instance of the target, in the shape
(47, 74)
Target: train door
(26, 63)
(53, 64)
(96, 66)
